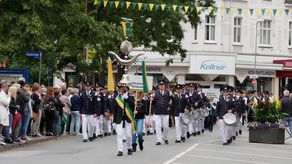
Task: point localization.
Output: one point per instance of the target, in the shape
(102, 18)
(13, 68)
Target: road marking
(246, 148)
(226, 159)
(181, 154)
(248, 154)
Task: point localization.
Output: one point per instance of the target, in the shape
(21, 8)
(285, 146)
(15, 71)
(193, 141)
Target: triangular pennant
(95, 2)
(157, 6)
(105, 3)
(287, 11)
(239, 11)
(134, 5)
(198, 8)
(174, 7)
(274, 11)
(151, 5)
(233, 11)
(245, 12)
(140, 6)
(186, 8)
(128, 4)
(257, 12)
(122, 4)
(227, 10)
(180, 8)
(210, 9)
(269, 11)
(280, 12)
(163, 7)
(290, 11)
(145, 6)
(215, 9)
(192, 8)
(263, 11)
(251, 11)
(221, 10)
(111, 3)
(117, 3)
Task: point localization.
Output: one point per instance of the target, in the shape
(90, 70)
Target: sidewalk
(32, 141)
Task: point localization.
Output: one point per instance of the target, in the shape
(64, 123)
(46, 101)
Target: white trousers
(99, 125)
(108, 124)
(151, 121)
(87, 126)
(161, 121)
(239, 125)
(180, 128)
(127, 131)
(224, 130)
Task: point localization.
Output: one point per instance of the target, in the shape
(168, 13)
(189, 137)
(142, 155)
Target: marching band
(133, 114)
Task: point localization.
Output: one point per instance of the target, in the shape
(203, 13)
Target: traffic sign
(253, 76)
(33, 54)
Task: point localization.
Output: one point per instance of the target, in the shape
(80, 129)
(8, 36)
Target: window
(290, 34)
(196, 33)
(265, 32)
(237, 30)
(210, 28)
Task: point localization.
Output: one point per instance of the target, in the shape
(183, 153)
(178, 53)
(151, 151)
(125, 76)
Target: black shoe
(233, 137)
(188, 135)
(120, 153)
(176, 141)
(8, 141)
(84, 140)
(166, 142)
(203, 131)
(100, 136)
(124, 140)
(91, 139)
(240, 132)
(154, 131)
(141, 145)
(158, 143)
(183, 139)
(109, 134)
(198, 133)
(134, 145)
(194, 134)
(148, 133)
(151, 133)
(143, 134)
(225, 143)
(105, 134)
(130, 152)
(236, 133)
(114, 132)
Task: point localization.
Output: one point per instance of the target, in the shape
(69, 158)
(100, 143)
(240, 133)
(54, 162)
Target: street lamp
(255, 54)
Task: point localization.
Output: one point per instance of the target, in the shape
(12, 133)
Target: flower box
(267, 135)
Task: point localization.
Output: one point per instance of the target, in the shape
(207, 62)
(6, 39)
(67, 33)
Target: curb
(31, 142)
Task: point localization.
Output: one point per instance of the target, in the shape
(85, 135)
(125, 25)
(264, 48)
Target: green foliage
(270, 112)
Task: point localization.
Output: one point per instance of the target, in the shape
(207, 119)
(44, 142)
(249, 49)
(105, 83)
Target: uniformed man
(198, 99)
(224, 105)
(124, 101)
(190, 91)
(239, 110)
(161, 101)
(179, 106)
(89, 110)
(101, 121)
(109, 112)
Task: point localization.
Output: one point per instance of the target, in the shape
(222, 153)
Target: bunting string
(190, 8)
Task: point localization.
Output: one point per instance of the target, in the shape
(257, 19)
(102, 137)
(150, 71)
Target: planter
(267, 135)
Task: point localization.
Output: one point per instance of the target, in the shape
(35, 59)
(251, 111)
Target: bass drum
(204, 112)
(185, 118)
(195, 115)
(229, 119)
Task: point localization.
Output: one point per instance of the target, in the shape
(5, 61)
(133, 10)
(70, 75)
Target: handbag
(34, 116)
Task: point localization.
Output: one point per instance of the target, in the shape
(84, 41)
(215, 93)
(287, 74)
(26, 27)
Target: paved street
(205, 149)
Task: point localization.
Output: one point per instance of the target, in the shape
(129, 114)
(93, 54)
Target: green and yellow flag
(125, 106)
(110, 78)
(145, 79)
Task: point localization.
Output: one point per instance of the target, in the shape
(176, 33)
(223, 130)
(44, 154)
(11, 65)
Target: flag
(110, 79)
(145, 79)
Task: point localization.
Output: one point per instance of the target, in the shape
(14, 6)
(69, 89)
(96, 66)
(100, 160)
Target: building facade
(233, 47)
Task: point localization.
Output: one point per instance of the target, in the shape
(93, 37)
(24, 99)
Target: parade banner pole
(40, 68)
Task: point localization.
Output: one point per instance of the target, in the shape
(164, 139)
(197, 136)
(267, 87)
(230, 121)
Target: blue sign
(33, 54)
(213, 65)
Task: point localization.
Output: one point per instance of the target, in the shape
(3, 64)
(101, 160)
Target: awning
(286, 63)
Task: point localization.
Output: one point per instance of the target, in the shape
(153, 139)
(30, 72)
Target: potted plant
(268, 125)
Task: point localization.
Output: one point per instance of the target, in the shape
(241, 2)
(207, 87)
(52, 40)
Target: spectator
(4, 114)
(36, 109)
(14, 111)
(66, 110)
(49, 109)
(75, 112)
(24, 102)
(286, 104)
(58, 113)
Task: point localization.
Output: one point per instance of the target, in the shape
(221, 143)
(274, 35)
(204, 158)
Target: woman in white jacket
(4, 114)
